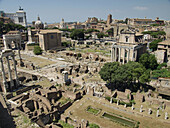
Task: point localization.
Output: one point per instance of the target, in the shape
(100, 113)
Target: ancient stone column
(128, 55)
(15, 71)
(157, 113)
(112, 54)
(119, 54)
(135, 55)
(18, 46)
(9, 73)
(5, 44)
(3, 76)
(123, 56)
(115, 54)
(166, 116)
(29, 35)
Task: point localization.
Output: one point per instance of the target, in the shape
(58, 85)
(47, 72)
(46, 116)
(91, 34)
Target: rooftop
(49, 31)
(166, 42)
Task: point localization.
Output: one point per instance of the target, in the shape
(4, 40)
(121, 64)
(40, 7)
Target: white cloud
(140, 8)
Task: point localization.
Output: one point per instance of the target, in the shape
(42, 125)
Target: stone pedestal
(149, 111)
(141, 108)
(166, 115)
(157, 113)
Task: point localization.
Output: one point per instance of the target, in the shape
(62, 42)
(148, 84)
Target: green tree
(77, 34)
(5, 28)
(108, 70)
(110, 32)
(136, 70)
(37, 50)
(145, 77)
(91, 30)
(155, 34)
(161, 65)
(154, 44)
(161, 73)
(125, 75)
(148, 61)
(100, 35)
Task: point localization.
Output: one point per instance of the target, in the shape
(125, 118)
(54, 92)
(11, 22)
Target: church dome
(39, 24)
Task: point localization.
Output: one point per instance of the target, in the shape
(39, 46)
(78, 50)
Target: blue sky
(79, 10)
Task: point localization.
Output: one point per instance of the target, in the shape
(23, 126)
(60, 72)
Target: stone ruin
(8, 54)
(41, 105)
(123, 96)
(86, 56)
(73, 70)
(77, 123)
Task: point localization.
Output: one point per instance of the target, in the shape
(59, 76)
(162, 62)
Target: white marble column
(29, 35)
(112, 54)
(9, 73)
(18, 46)
(3, 76)
(124, 56)
(135, 55)
(119, 54)
(128, 55)
(15, 71)
(4, 40)
(115, 54)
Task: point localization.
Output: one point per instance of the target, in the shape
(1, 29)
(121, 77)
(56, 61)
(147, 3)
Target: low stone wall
(65, 106)
(72, 95)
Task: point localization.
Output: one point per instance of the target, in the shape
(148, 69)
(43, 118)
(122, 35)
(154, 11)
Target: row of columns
(17, 43)
(5, 85)
(116, 55)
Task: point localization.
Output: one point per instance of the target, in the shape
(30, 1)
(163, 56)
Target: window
(127, 38)
(20, 19)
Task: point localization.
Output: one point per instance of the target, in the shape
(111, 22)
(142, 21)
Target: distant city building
(140, 21)
(78, 25)
(167, 30)
(129, 47)
(159, 22)
(18, 18)
(92, 20)
(45, 25)
(50, 39)
(62, 24)
(163, 52)
(109, 19)
(4, 19)
(39, 24)
(145, 21)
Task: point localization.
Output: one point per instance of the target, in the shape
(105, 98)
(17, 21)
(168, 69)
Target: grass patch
(121, 120)
(94, 51)
(25, 120)
(64, 100)
(92, 125)
(65, 125)
(44, 83)
(114, 100)
(40, 62)
(92, 110)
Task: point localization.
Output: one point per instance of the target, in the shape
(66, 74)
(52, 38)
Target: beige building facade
(50, 39)
(163, 52)
(126, 48)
